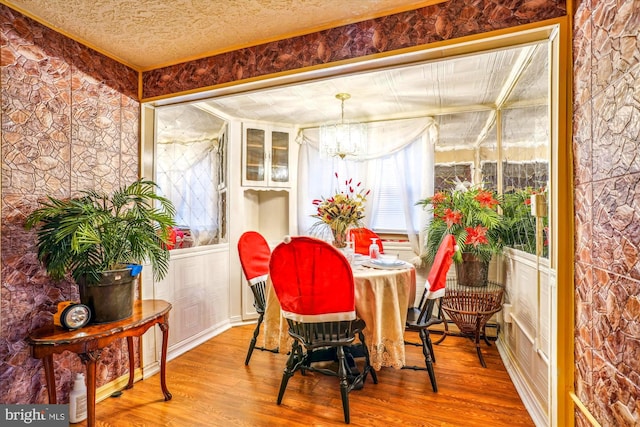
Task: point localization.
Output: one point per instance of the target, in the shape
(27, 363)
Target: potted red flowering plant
(471, 215)
(341, 211)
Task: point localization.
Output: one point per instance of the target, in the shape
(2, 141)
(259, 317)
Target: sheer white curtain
(402, 149)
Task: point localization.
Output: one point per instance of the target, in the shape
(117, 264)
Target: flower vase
(339, 238)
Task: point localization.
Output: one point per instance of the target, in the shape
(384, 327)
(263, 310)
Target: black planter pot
(111, 299)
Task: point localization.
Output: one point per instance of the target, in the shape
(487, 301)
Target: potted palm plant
(470, 214)
(101, 240)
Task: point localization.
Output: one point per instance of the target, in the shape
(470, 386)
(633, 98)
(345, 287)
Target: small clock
(72, 315)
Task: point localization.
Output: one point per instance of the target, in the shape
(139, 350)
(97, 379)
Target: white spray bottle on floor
(78, 400)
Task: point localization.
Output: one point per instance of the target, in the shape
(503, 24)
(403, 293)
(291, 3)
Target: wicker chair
(254, 254)
(421, 318)
(314, 284)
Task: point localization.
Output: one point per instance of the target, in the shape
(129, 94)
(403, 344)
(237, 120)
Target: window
(396, 193)
(190, 171)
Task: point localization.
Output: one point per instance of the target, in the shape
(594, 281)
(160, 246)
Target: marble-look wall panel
(36, 117)
(606, 141)
(616, 354)
(583, 330)
(63, 130)
(444, 21)
(616, 225)
(583, 231)
(616, 126)
(615, 41)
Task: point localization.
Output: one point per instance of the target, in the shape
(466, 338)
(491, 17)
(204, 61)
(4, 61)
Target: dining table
(382, 296)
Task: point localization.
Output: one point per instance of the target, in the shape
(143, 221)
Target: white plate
(385, 263)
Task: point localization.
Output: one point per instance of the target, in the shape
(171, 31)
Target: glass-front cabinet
(266, 156)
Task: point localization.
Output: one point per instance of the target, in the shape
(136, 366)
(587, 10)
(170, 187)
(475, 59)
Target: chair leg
(430, 345)
(344, 383)
(296, 358)
(424, 336)
(254, 339)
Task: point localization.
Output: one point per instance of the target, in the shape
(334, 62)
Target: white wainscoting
(197, 286)
(525, 338)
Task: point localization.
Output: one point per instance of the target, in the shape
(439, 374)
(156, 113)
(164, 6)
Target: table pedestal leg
(131, 362)
(164, 327)
(89, 359)
(50, 377)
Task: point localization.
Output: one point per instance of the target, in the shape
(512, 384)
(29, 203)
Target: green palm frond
(96, 232)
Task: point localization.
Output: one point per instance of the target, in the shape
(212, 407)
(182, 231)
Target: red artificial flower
(439, 197)
(452, 217)
(485, 198)
(476, 236)
(527, 201)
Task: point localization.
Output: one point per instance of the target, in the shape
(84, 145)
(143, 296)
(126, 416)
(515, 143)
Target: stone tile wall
(606, 144)
(69, 122)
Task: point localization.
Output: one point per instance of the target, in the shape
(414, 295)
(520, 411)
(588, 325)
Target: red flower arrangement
(342, 210)
(471, 215)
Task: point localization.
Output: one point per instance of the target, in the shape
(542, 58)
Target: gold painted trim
(306, 31)
(584, 410)
(563, 235)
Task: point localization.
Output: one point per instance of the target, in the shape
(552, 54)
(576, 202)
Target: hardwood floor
(212, 387)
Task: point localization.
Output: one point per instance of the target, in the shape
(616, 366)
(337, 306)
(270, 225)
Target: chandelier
(344, 138)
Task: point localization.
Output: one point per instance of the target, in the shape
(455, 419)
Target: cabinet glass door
(279, 156)
(255, 155)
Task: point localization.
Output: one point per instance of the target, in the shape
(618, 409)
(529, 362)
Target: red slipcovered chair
(254, 254)
(314, 284)
(362, 240)
(420, 318)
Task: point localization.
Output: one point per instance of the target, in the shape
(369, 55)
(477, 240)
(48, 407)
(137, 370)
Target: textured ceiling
(147, 34)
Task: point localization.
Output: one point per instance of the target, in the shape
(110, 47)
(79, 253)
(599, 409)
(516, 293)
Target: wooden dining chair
(362, 240)
(314, 284)
(422, 317)
(254, 254)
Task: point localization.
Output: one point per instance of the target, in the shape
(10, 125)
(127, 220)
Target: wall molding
(581, 406)
(537, 413)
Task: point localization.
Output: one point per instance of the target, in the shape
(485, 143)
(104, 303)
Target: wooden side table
(470, 308)
(88, 343)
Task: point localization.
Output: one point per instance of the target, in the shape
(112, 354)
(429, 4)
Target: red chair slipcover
(362, 240)
(437, 278)
(254, 254)
(313, 281)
